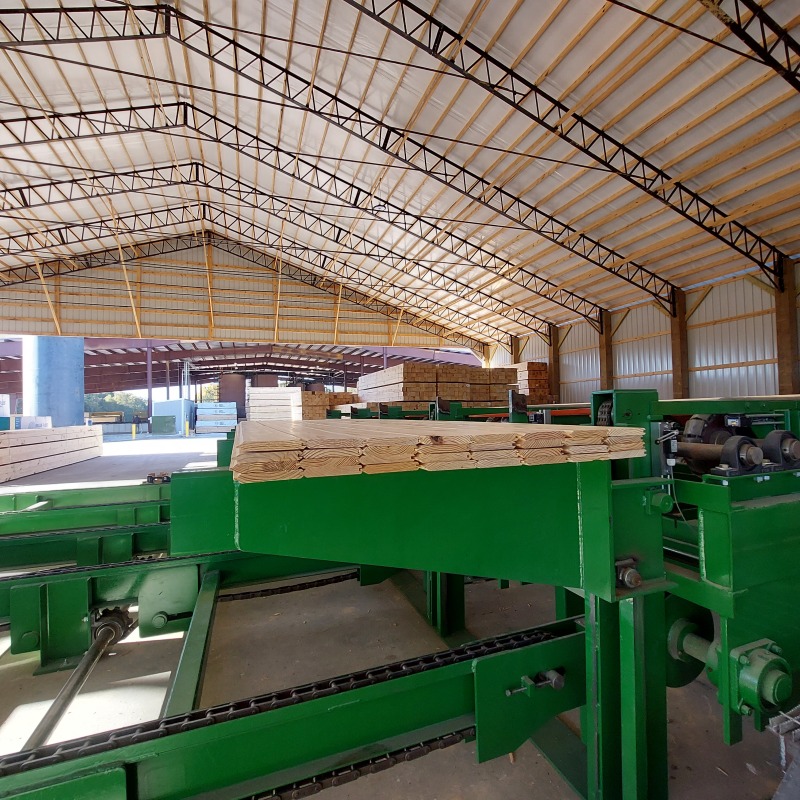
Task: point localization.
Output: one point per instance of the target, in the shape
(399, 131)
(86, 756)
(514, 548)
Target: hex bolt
(630, 577)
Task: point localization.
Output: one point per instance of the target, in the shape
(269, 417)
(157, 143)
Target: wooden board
(29, 452)
(316, 448)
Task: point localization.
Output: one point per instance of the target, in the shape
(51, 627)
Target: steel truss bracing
(202, 38)
(771, 42)
(198, 174)
(144, 221)
(78, 125)
(475, 64)
(208, 215)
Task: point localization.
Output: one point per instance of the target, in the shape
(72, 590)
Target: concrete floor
(271, 643)
(126, 461)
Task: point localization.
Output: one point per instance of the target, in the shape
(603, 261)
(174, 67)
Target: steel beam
(194, 174)
(502, 81)
(769, 40)
(204, 39)
(209, 216)
(81, 124)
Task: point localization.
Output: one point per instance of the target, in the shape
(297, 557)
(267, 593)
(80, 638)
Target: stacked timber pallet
(277, 450)
(422, 383)
(28, 452)
(292, 403)
(533, 378)
(215, 417)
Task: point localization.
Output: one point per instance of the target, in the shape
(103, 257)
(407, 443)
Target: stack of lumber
(533, 378)
(215, 417)
(277, 450)
(28, 452)
(410, 382)
(292, 403)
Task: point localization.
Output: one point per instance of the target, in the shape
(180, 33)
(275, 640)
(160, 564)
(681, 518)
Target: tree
(210, 393)
(129, 403)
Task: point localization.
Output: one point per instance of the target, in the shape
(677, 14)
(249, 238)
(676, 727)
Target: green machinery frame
(639, 559)
(501, 697)
(732, 547)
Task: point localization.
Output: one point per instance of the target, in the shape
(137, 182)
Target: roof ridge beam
(193, 172)
(478, 66)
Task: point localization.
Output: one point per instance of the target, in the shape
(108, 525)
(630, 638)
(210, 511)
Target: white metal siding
(642, 351)
(500, 357)
(535, 349)
(732, 341)
(579, 360)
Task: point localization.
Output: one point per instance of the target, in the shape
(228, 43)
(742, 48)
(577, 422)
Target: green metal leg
(602, 714)
(187, 681)
(643, 698)
(568, 604)
(445, 602)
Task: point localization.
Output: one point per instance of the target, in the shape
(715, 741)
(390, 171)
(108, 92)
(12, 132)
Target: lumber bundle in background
(411, 382)
(533, 378)
(215, 417)
(28, 452)
(279, 450)
(291, 403)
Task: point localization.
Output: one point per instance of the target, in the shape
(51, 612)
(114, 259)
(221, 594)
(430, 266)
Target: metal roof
(120, 364)
(516, 163)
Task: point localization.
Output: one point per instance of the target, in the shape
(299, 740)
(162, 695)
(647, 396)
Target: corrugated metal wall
(732, 340)
(579, 360)
(642, 351)
(731, 337)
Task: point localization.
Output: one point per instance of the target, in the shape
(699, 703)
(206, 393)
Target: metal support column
(643, 698)
(149, 387)
(445, 602)
(555, 364)
(786, 324)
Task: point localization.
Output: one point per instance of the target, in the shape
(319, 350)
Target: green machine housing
(731, 541)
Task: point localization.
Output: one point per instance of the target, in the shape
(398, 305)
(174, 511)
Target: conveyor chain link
(343, 775)
(157, 729)
(294, 587)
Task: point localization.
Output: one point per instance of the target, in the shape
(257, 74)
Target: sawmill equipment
(515, 411)
(499, 692)
(731, 541)
(147, 545)
(681, 562)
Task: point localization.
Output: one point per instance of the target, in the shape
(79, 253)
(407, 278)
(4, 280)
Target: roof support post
(555, 364)
(606, 352)
(786, 322)
(515, 346)
(149, 368)
(679, 339)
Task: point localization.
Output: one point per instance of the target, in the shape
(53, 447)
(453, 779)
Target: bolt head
(159, 620)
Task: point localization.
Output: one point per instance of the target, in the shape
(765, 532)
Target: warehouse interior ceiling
(121, 364)
(489, 168)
